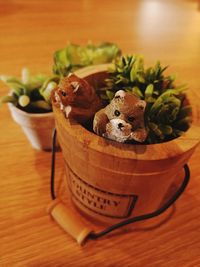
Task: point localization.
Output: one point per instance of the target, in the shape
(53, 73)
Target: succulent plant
(30, 93)
(167, 113)
(74, 56)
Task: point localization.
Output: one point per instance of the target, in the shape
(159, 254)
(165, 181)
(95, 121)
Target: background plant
(30, 93)
(73, 56)
(167, 113)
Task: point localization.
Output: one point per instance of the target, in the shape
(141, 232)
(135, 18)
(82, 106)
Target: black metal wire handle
(94, 235)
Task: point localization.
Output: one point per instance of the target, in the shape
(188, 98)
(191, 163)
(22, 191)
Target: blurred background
(30, 31)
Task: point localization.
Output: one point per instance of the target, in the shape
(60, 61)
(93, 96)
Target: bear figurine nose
(120, 125)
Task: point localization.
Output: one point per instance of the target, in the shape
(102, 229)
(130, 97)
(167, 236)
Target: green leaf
(133, 74)
(6, 79)
(25, 75)
(150, 100)
(140, 78)
(18, 88)
(47, 87)
(137, 91)
(104, 97)
(177, 133)
(36, 82)
(46, 93)
(62, 63)
(185, 111)
(23, 100)
(172, 77)
(153, 126)
(187, 120)
(110, 94)
(166, 129)
(181, 88)
(149, 90)
(8, 99)
(41, 104)
(137, 70)
(109, 83)
(158, 133)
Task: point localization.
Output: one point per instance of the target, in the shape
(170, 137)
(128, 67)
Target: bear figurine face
(122, 119)
(118, 130)
(73, 91)
(127, 107)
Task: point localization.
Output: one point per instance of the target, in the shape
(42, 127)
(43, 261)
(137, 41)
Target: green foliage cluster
(30, 93)
(74, 56)
(167, 113)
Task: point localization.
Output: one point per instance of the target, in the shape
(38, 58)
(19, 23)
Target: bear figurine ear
(141, 104)
(120, 94)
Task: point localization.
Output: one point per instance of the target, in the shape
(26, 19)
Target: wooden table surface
(30, 31)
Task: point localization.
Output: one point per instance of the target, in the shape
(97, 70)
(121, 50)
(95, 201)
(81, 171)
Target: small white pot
(37, 127)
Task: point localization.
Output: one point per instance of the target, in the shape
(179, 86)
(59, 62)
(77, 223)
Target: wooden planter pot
(111, 181)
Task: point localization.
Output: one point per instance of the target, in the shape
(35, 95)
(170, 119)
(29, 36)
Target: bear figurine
(123, 119)
(76, 98)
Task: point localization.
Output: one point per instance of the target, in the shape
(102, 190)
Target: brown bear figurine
(76, 98)
(122, 119)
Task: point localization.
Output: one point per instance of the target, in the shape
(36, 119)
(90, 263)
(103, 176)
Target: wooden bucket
(110, 181)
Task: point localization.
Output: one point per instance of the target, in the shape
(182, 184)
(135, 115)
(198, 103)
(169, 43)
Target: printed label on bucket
(99, 201)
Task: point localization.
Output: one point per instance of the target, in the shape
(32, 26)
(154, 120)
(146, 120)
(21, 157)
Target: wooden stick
(68, 220)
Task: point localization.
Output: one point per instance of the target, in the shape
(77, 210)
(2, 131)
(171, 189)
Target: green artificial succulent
(167, 113)
(74, 56)
(30, 93)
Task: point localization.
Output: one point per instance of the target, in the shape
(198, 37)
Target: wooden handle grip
(68, 220)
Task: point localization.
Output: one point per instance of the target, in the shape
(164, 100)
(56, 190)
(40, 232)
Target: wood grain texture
(30, 31)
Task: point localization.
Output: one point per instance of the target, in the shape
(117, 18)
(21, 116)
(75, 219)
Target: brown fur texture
(122, 119)
(76, 98)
